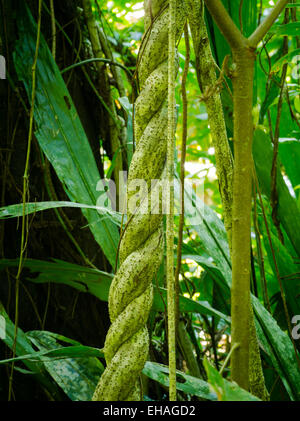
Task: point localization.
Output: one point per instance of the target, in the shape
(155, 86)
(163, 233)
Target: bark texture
(210, 87)
(141, 249)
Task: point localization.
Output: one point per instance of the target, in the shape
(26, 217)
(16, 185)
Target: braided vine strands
(141, 249)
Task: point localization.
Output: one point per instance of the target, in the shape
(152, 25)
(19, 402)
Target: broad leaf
(279, 348)
(288, 270)
(75, 351)
(98, 283)
(194, 386)
(13, 211)
(187, 384)
(288, 211)
(289, 152)
(24, 347)
(288, 58)
(225, 390)
(59, 130)
(292, 28)
(210, 229)
(77, 377)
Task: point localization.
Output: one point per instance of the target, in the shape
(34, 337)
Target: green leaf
(23, 347)
(187, 384)
(271, 94)
(209, 227)
(77, 373)
(289, 152)
(285, 59)
(98, 283)
(286, 267)
(59, 130)
(279, 348)
(82, 278)
(292, 28)
(13, 211)
(77, 377)
(194, 386)
(76, 351)
(225, 390)
(186, 305)
(288, 212)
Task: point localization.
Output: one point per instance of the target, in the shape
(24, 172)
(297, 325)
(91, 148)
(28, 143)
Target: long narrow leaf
(78, 377)
(59, 130)
(288, 211)
(279, 347)
(194, 386)
(24, 347)
(76, 351)
(187, 384)
(98, 283)
(13, 211)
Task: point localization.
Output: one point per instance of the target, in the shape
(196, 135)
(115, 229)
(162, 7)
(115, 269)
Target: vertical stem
(24, 231)
(170, 214)
(242, 328)
(53, 29)
(241, 214)
(182, 166)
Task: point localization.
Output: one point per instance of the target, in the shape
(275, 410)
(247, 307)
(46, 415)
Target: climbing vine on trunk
(141, 249)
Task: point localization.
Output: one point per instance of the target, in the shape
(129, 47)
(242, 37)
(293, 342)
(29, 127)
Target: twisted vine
(141, 249)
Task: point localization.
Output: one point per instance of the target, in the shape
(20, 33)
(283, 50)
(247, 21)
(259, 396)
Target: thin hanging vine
(170, 214)
(25, 193)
